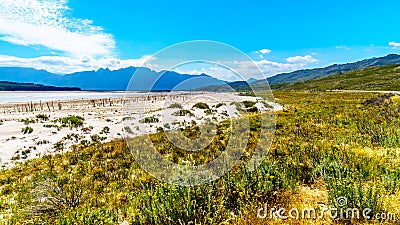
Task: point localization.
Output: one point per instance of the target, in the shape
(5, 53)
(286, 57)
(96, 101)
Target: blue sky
(66, 36)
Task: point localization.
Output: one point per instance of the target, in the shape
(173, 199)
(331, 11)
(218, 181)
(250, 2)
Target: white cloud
(45, 23)
(262, 52)
(243, 70)
(302, 59)
(342, 47)
(64, 65)
(394, 44)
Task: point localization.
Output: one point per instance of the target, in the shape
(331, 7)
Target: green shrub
(183, 112)
(27, 130)
(248, 104)
(72, 121)
(43, 117)
(175, 106)
(150, 119)
(201, 105)
(219, 105)
(28, 121)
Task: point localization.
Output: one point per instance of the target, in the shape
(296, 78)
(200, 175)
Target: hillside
(13, 86)
(105, 79)
(384, 78)
(282, 80)
(308, 74)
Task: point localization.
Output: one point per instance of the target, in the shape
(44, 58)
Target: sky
(65, 36)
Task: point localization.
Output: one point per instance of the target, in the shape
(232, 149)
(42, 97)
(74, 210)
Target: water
(36, 96)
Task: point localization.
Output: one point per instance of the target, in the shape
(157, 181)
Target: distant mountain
(308, 74)
(105, 79)
(14, 86)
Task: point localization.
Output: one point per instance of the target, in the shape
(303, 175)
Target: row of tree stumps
(58, 105)
(34, 107)
(104, 102)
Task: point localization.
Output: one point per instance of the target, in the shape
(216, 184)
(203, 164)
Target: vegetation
(72, 121)
(27, 130)
(373, 78)
(43, 117)
(201, 105)
(28, 121)
(183, 112)
(219, 105)
(175, 105)
(327, 145)
(150, 119)
(13, 86)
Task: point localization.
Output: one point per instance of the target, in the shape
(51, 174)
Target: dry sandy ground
(117, 114)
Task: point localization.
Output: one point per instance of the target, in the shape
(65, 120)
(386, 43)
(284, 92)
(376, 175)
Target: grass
(201, 105)
(183, 112)
(72, 121)
(43, 117)
(175, 106)
(327, 145)
(27, 130)
(150, 119)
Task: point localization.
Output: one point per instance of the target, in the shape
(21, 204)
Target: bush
(28, 121)
(183, 112)
(219, 105)
(72, 121)
(105, 130)
(150, 119)
(248, 104)
(43, 117)
(175, 106)
(27, 130)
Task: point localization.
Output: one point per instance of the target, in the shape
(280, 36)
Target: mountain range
(308, 74)
(147, 79)
(110, 80)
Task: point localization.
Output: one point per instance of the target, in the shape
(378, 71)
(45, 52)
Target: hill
(383, 78)
(288, 79)
(308, 74)
(13, 86)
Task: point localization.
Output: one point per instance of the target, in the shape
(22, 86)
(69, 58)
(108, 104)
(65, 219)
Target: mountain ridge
(109, 80)
(106, 79)
(308, 74)
(15, 86)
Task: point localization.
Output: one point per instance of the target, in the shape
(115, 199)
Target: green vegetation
(72, 121)
(13, 86)
(183, 112)
(105, 130)
(28, 121)
(27, 130)
(219, 105)
(327, 145)
(201, 105)
(43, 117)
(150, 119)
(175, 105)
(373, 78)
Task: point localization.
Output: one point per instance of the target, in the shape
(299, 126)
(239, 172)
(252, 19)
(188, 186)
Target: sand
(116, 114)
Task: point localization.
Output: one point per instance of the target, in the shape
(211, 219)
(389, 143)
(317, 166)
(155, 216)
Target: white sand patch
(15, 146)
